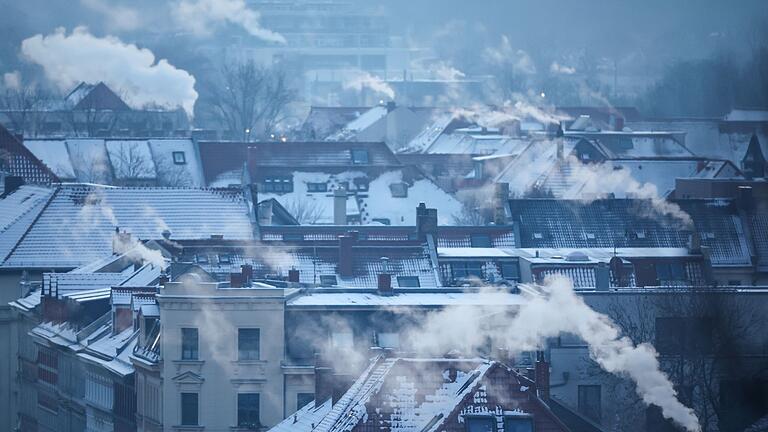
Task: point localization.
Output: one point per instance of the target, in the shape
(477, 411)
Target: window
(302, 399)
(480, 240)
(201, 258)
(670, 271)
(589, 402)
(518, 424)
(408, 281)
(359, 157)
(248, 410)
(179, 158)
(224, 259)
(248, 344)
(189, 409)
(189, 344)
(361, 184)
(399, 190)
(481, 424)
(317, 187)
(342, 340)
(327, 280)
(279, 184)
(467, 269)
(510, 270)
(388, 340)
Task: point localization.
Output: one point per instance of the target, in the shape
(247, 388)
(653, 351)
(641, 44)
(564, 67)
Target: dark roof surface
(19, 161)
(628, 223)
(318, 154)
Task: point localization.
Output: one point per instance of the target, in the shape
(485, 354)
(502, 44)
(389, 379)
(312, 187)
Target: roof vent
(577, 256)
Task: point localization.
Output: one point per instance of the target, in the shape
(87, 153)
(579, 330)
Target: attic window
(538, 236)
(360, 157)
(589, 236)
(518, 423)
(480, 240)
(707, 235)
(317, 187)
(224, 259)
(640, 234)
(201, 258)
(327, 280)
(179, 158)
(408, 282)
(278, 184)
(399, 190)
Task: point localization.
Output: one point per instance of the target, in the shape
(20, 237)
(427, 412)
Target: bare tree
(307, 212)
(707, 338)
(130, 164)
(25, 109)
(251, 100)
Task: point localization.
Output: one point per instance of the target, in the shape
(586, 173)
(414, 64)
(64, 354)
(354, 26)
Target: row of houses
(91, 270)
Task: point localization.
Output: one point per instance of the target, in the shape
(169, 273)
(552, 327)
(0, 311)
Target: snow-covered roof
(405, 299)
(54, 154)
(78, 224)
(18, 211)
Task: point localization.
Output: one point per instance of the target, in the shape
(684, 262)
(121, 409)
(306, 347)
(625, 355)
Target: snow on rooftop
(78, 225)
(368, 118)
(352, 299)
(54, 154)
(131, 159)
(18, 211)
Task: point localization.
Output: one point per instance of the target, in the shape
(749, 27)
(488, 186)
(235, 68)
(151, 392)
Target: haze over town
(335, 215)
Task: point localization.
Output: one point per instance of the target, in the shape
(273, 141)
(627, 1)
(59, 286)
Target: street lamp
(247, 135)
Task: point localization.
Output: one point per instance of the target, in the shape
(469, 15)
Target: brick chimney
(542, 376)
(323, 380)
(602, 276)
(246, 270)
(346, 259)
(293, 275)
(340, 206)
(500, 197)
(236, 280)
(385, 278)
(426, 221)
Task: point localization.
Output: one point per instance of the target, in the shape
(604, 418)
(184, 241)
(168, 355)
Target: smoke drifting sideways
(68, 59)
(201, 16)
(555, 310)
(361, 80)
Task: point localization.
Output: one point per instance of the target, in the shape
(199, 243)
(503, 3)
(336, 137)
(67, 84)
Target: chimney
(745, 199)
(602, 277)
(11, 184)
(340, 207)
(694, 243)
(500, 196)
(246, 270)
(123, 318)
(385, 279)
(618, 123)
(293, 275)
(391, 106)
(560, 150)
(426, 221)
(163, 279)
(542, 376)
(323, 380)
(709, 278)
(346, 242)
(236, 280)
(121, 241)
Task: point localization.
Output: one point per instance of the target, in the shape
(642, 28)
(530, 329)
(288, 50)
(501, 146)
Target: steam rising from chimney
(557, 310)
(362, 79)
(125, 68)
(200, 16)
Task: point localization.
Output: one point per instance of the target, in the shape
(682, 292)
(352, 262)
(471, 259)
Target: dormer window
(359, 157)
(317, 187)
(327, 280)
(224, 259)
(179, 158)
(399, 190)
(201, 258)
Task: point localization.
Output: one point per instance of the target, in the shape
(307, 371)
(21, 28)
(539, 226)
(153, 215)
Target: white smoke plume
(494, 116)
(80, 56)
(557, 68)
(557, 310)
(505, 55)
(362, 79)
(201, 16)
(446, 72)
(601, 179)
(136, 251)
(12, 80)
(118, 17)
